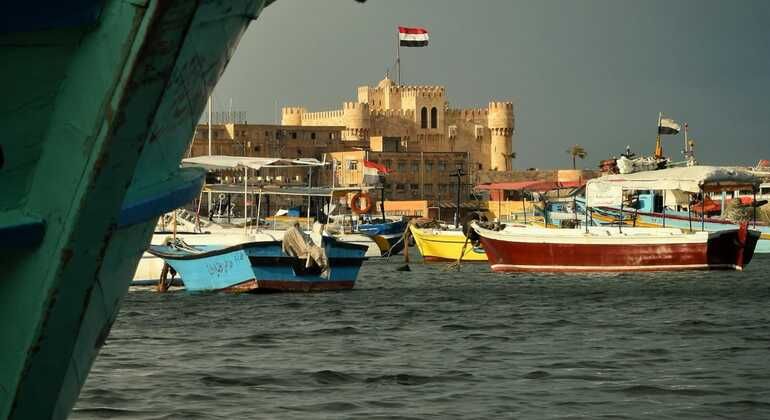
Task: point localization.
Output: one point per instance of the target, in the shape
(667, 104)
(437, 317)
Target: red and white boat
(607, 249)
(624, 248)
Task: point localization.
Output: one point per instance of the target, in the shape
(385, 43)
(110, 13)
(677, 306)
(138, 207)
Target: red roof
(537, 186)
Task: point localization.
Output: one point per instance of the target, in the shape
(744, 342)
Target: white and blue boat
(263, 267)
(387, 233)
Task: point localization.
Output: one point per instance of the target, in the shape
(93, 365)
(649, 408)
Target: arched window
(433, 117)
(424, 118)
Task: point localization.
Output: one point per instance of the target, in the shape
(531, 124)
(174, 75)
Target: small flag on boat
(412, 37)
(372, 172)
(668, 126)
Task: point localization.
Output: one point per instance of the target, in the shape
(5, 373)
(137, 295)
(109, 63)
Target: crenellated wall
(292, 115)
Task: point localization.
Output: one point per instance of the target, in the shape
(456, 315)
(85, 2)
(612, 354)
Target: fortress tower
(292, 115)
(501, 124)
(355, 117)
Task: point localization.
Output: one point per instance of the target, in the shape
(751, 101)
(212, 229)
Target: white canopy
(608, 190)
(231, 162)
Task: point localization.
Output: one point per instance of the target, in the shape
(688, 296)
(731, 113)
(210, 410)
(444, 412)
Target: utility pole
(459, 173)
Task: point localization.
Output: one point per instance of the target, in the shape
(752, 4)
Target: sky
(589, 72)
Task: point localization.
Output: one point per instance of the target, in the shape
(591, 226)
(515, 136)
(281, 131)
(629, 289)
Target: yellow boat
(445, 245)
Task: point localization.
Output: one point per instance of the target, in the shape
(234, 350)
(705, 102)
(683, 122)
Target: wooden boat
(262, 267)
(445, 245)
(387, 234)
(623, 248)
(612, 249)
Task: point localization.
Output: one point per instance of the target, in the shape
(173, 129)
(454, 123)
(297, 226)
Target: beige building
(419, 116)
(416, 175)
(266, 140)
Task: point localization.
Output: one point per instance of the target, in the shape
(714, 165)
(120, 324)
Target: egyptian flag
(668, 126)
(372, 172)
(412, 37)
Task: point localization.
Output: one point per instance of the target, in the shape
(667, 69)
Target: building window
(442, 166)
(415, 166)
(312, 136)
(331, 136)
(388, 163)
(428, 188)
(414, 187)
(481, 167)
(353, 165)
(402, 166)
(428, 166)
(399, 187)
(459, 164)
(294, 135)
(433, 117)
(424, 117)
(257, 148)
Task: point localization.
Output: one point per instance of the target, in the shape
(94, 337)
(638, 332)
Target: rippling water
(438, 344)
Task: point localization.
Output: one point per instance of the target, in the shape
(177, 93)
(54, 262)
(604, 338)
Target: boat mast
(658, 146)
(209, 125)
(208, 208)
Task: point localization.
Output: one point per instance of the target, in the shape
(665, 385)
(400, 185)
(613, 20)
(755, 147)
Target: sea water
(433, 343)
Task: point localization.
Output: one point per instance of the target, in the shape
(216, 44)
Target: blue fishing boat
(266, 266)
(387, 233)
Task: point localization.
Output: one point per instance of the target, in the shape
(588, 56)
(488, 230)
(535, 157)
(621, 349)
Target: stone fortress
(420, 118)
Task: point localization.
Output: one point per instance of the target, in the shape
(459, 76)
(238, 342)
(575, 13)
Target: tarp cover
(297, 243)
(230, 162)
(608, 190)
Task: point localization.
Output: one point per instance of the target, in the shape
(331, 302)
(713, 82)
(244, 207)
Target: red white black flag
(412, 37)
(372, 172)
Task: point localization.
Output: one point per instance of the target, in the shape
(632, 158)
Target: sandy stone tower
(355, 116)
(292, 115)
(501, 124)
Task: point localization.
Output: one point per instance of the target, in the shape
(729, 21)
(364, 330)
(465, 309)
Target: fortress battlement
(420, 91)
(468, 113)
(358, 106)
(393, 113)
(322, 115)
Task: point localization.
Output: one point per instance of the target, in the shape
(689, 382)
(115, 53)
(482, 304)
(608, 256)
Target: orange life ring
(357, 198)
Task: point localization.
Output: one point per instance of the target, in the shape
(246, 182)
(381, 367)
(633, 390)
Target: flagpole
(398, 58)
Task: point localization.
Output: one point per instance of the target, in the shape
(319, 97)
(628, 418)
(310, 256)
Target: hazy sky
(591, 72)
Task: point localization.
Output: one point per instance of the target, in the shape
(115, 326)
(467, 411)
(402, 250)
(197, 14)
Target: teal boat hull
(98, 109)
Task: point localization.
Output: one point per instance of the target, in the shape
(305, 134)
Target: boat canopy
(537, 186)
(282, 190)
(608, 190)
(215, 162)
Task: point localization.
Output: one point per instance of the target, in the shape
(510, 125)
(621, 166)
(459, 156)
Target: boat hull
(261, 267)
(716, 251)
(443, 245)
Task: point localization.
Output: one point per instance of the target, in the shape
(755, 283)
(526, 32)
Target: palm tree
(509, 160)
(577, 151)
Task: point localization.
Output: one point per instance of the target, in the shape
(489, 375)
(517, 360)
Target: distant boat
(388, 234)
(263, 267)
(623, 248)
